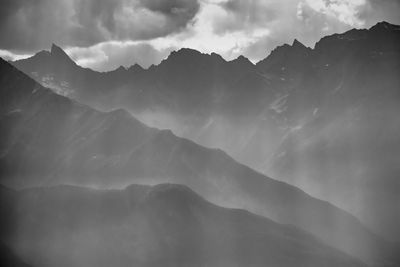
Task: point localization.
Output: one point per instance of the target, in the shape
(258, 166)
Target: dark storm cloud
(28, 25)
(181, 9)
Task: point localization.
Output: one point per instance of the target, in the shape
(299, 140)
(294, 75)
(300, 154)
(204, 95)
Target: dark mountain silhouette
(323, 119)
(162, 225)
(286, 60)
(49, 139)
(9, 259)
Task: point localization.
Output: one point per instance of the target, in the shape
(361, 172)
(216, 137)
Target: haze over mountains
(50, 139)
(323, 119)
(163, 225)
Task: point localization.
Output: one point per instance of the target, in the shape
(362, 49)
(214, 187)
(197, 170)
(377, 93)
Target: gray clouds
(151, 28)
(286, 20)
(245, 15)
(28, 25)
(380, 10)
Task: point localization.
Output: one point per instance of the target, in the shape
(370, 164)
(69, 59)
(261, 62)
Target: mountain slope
(49, 139)
(209, 101)
(9, 259)
(163, 225)
(323, 119)
(344, 141)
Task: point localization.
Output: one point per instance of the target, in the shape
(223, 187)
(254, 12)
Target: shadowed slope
(163, 225)
(50, 139)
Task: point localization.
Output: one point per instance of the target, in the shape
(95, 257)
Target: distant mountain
(323, 119)
(49, 139)
(199, 96)
(162, 225)
(344, 141)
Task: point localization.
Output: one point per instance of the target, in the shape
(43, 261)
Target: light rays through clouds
(106, 34)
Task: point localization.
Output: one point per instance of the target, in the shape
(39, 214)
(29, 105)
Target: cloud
(203, 36)
(27, 25)
(10, 56)
(284, 20)
(380, 10)
(345, 11)
(110, 55)
(245, 15)
(146, 30)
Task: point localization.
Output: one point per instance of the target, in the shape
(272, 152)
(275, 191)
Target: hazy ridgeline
(323, 119)
(164, 225)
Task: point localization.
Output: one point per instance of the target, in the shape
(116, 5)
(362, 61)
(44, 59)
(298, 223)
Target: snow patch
(61, 88)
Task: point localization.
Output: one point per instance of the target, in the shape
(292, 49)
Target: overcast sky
(104, 34)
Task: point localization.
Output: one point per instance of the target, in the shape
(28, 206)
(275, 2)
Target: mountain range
(323, 119)
(162, 225)
(48, 139)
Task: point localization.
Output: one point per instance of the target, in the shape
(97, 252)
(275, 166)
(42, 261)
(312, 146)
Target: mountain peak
(242, 61)
(59, 53)
(135, 68)
(55, 49)
(242, 58)
(285, 56)
(191, 53)
(120, 69)
(296, 43)
(383, 25)
(217, 56)
(184, 52)
(185, 56)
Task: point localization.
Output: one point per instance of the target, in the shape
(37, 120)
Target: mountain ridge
(160, 225)
(64, 141)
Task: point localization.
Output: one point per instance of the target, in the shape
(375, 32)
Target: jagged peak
(242, 61)
(297, 43)
(184, 51)
(355, 34)
(59, 53)
(120, 68)
(242, 58)
(55, 49)
(286, 48)
(191, 53)
(135, 67)
(217, 56)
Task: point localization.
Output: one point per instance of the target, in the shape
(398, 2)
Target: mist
(212, 133)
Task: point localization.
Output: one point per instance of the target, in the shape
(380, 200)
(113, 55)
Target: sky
(105, 34)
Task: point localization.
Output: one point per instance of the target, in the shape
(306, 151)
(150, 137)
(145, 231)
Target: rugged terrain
(49, 139)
